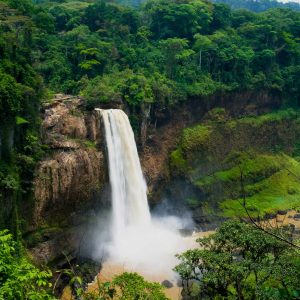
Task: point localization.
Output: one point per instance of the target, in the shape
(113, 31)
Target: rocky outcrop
(74, 169)
(68, 181)
(65, 182)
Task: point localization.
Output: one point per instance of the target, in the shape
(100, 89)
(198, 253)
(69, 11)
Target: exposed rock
(67, 179)
(75, 170)
(297, 216)
(168, 284)
(65, 182)
(63, 118)
(163, 132)
(61, 246)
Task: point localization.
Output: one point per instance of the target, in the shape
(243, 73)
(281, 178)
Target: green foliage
(174, 49)
(20, 120)
(102, 90)
(172, 19)
(177, 162)
(9, 179)
(133, 89)
(127, 286)
(19, 278)
(10, 95)
(133, 286)
(241, 262)
(21, 90)
(195, 137)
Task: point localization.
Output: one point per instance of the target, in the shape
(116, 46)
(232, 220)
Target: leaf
(20, 120)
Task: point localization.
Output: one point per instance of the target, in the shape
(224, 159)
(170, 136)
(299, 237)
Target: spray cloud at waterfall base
(137, 241)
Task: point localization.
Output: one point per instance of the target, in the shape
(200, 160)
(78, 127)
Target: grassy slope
(213, 155)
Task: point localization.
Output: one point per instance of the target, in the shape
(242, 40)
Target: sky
(285, 1)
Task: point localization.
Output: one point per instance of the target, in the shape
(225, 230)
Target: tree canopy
(240, 262)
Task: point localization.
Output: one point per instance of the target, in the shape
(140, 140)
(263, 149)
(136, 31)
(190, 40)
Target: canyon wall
(69, 180)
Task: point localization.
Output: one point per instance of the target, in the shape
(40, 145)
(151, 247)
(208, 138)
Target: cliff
(68, 181)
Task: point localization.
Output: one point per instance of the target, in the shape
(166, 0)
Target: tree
(176, 52)
(19, 278)
(240, 261)
(127, 286)
(180, 19)
(10, 96)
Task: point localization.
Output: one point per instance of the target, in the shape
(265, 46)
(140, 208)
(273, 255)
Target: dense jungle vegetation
(151, 56)
(157, 55)
(258, 6)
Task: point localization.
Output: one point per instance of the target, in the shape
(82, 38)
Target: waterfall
(135, 240)
(128, 186)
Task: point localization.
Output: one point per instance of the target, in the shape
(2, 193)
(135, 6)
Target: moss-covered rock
(221, 157)
(195, 138)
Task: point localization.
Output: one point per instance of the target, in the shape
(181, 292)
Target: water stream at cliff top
(138, 242)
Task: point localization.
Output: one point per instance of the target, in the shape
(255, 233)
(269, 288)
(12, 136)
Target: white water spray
(137, 242)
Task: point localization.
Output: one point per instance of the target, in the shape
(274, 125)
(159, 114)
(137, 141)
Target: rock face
(67, 178)
(70, 179)
(216, 157)
(66, 181)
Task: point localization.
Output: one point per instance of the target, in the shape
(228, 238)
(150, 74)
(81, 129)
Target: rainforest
(149, 149)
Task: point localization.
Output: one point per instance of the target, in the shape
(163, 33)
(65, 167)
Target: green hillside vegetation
(214, 155)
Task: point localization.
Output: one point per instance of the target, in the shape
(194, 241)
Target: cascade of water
(128, 187)
(136, 240)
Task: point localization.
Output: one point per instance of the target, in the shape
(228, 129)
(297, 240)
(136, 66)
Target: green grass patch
(280, 191)
(272, 183)
(90, 144)
(212, 156)
(257, 121)
(252, 168)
